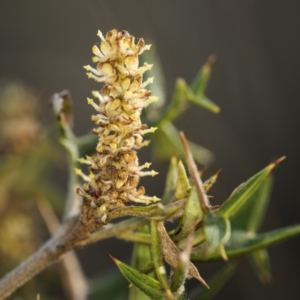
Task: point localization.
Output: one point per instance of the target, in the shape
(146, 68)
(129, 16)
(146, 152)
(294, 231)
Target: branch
(76, 232)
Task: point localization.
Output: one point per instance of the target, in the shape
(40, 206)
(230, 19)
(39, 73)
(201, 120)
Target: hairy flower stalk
(114, 168)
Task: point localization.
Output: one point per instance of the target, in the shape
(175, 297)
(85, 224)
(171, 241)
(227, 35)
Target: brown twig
(195, 174)
(74, 232)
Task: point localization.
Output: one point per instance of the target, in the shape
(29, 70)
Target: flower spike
(114, 170)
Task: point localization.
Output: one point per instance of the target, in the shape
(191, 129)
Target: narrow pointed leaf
(210, 181)
(200, 83)
(198, 99)
(201, 155)
(157, 255)
(244, 191)
(204, 102)
(217, 232)
(142, 253)
(141, 257)
(251, 215)
(62, 108)
(191, 217)
(178, 103)
(153, 212)
(145, 283)
(170, 186)
(262, 265)
(136, 237)
(242, 242)
(167, 143)
(182, 183)
(199, 237)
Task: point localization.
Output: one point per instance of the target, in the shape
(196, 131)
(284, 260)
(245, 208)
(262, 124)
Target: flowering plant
(203, 232)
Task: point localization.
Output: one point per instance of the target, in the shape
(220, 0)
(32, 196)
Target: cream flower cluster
(114, 169)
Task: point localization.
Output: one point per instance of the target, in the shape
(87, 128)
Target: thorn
(277, 161)
(204, 283)
(217, 173)
(222, 253)
(211, 60)
(202, 171)
(113, 258)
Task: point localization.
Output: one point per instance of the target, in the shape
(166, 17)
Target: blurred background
(255, 81)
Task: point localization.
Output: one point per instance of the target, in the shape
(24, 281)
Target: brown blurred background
(255, 82)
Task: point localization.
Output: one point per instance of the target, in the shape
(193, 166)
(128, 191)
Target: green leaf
(157, 255)
(152, 212)
(199, 237)
(242, 242)
(141, 253)
(262, 265)
(141, 257)
(244, 191)
(170, 186)
(182, 93)
(136, 237)
(203, 101)
(62, 108)
(200, 83)
(215, 283)
(217, 232)
(191, 217)
(210, 181)
(201, 155)
(251, 215)
(177, 106)
(167, 143)
(145, 283)
(182, 184)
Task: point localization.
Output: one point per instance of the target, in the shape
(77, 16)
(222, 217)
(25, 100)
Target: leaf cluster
(163, 259)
